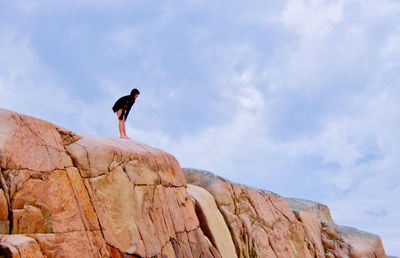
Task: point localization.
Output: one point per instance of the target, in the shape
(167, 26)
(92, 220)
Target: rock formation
(264, 224)
(212, 222)
(67, 195)
(337, 241)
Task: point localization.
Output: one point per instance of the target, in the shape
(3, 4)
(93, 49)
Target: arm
(128, 109)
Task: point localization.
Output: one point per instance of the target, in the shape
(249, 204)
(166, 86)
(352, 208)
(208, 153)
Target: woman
(122, 108)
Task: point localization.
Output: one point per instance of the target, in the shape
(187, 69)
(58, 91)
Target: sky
(298, 97)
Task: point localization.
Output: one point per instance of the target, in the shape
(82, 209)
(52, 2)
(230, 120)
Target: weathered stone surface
(168, 250)
(66, 195)
(74, 244)
(315, 217)
(337, 241)
(89, 196)
(321, 211)
(115, 204)
(48, 206)
(95, 156)
(261, 223)
(30, 143)
(9, 251)
(361, 244)
(138, 193)
(199, 244)
(212, 222)
(67, 136)
(87, 213)
(310, 215)
(4, 222)
(19, 246)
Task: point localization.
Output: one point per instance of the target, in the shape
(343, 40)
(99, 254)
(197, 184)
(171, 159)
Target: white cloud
(391, 51)
(27, 86)
(216, 147)
(331, 87)
(312, 18)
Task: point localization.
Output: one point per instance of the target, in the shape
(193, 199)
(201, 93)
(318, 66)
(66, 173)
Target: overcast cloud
(296, 97)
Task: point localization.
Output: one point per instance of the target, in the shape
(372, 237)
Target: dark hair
(134, 92)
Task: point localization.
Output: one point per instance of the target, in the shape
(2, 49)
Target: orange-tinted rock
(66, 195)
(212, 221)
(198, 244)
(8, 250)
(320, 210)
(87, 213)
(29, 220)
(74, 244)
(176, 213)
(4, 222)
(19, 246)
(138, 193)
(168, 250)
(115, 204)
(309, 214)
(336, 241)
(69, 193)
(50, 204)
(361, 244)
(261, 223)
(30, 143)
(95, 156)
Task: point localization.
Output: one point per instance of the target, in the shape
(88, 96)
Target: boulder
(261, 223)
(361, 244)
(337, 241)
(67, 195)
(264, 224)
(19, 246)
(212, 222)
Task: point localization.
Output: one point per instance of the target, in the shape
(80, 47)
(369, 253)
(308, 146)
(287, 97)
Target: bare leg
(121, 124)
(124, 130)
(121, 127)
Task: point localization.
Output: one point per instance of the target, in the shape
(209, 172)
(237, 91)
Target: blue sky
(297, 97)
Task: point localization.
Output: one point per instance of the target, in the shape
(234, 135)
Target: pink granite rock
(336, 241)
(19, 246)
(212, 221)
(263, 224)
(65, 195)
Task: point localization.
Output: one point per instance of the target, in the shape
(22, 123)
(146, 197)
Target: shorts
(123, 115)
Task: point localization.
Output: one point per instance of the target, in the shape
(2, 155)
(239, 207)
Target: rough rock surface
(212, 222)
(263, 224)
(65, 195)
(337, 241)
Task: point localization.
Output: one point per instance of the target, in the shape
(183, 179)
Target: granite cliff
(68, 195)
(264, 224)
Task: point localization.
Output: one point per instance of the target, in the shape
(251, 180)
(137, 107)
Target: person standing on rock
(122, 108)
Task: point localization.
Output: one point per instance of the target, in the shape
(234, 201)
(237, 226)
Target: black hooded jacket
(124, 103)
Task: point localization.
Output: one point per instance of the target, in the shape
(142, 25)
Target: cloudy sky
(299, 97)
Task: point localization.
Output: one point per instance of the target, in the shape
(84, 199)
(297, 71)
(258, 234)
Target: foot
(125, 137)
